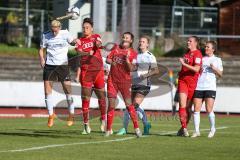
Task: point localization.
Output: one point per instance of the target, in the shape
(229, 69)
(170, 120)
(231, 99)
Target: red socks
(102, 106)
(133, 115)
(183, 117)
(110, 116)
(85, 110)
(132, 112)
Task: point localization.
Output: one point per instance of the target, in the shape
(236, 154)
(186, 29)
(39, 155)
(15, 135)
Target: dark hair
(131, 35)
(214, 45)
(88, 20)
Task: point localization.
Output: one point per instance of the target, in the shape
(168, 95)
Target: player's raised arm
(196, 68)
(153, 68)
(217, 69)
(98, 42)
(131, 61)
(109, 59)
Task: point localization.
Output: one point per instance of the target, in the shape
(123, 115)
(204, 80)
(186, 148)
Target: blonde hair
(56, 23)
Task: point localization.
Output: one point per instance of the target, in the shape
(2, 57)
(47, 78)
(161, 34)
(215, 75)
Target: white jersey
(207, 80)
(145, 62)
(57, 47)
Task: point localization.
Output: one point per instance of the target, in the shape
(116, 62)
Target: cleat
(138, 132)
(111, 131)
(146, 129)
(180, 132)
(51, 120)
(121, 132)
(108, 133)
(86, 129)
(211, 133)
(196, 134)
(185, 132)
(103, 126)
(70, 120)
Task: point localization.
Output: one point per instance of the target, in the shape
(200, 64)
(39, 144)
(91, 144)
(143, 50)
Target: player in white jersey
(206, 88)
(141, 84)
(55, 44)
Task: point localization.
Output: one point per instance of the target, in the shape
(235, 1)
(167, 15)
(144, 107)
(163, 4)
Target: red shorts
(89, 79)
(123, 88)
(187, 86)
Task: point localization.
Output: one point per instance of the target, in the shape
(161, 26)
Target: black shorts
(204, 94)
(56, 73)
(141, 89)
(176, 96)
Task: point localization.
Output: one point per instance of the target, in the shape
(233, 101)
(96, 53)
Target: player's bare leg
(189, 110)
(86, 94)
(209, 108)
(102, 105)
(68, 90)
(48, 85)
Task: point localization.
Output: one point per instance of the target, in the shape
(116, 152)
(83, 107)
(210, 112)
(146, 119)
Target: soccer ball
(74, 12)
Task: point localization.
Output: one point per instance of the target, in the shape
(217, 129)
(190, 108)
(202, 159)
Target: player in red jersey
(92, 72)
(187, 82)
(122, 59)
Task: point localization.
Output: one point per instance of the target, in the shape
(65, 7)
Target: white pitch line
(68, 144)
(98, 142)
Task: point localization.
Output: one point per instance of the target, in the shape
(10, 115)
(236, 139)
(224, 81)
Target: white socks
(70, 103)
(211, 117)
(49, 103)
(196, 119)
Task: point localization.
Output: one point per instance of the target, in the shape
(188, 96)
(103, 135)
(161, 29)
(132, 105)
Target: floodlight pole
(172, 20)
(27, 40)
(114, 18)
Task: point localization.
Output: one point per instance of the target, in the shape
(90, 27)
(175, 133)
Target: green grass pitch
(30, 139)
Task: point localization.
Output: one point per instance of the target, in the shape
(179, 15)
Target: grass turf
(67, 143)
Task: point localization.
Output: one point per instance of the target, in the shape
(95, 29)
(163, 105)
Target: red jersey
(87, 44)
(191, 58)
(119, 72)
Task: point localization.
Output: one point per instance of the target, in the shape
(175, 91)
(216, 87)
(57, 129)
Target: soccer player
(146, 67)
(206, 88)
(92, 73)
(122, 60)
(55, 67)
(187, 82)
